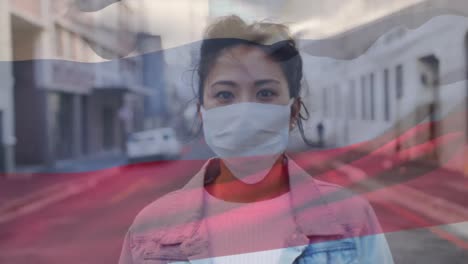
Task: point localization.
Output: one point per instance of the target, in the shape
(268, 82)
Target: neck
(227, 187)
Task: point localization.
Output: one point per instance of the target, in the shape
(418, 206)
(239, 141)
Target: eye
(224, 96)
(265, 94)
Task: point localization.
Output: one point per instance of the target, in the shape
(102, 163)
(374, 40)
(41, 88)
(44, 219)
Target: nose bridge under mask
(247, 128)
(246, 112)
(244, 130)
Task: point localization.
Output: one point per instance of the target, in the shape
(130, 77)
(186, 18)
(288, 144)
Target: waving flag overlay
(388, 121)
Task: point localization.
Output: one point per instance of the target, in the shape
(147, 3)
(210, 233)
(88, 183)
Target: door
(2, 146)
(108, 130)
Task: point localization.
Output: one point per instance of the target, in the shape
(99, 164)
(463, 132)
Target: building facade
(7, 131)
(66, 107)
(406, 78)
(154, 76)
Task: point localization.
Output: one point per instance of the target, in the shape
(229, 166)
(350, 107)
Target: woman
(252, 204)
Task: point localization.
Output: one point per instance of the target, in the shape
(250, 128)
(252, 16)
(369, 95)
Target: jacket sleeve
(126, 253)
(373, 246)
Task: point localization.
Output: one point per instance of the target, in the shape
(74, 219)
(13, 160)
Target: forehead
(246, 62)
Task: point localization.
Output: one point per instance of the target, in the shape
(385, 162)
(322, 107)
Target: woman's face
(245, 74)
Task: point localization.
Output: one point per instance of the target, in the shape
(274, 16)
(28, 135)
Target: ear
(295, 108)
(199, 115)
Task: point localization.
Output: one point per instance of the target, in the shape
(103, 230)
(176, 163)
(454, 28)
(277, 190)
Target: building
(154, 76)
(65, 107)
(7, 131)
(178, 25)
(407, 77)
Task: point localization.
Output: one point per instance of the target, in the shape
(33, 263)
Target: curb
(440, 210)
(56, 193)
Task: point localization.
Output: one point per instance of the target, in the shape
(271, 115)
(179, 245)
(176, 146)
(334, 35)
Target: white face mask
(248, 137)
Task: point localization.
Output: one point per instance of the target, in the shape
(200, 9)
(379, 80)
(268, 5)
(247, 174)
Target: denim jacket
(333, 226)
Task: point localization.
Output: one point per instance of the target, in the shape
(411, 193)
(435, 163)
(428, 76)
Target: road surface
(89, 228)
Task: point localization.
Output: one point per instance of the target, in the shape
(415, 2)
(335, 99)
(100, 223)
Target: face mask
(248, 137)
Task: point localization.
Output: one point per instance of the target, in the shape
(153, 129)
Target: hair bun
(233, 27)
(226, 27)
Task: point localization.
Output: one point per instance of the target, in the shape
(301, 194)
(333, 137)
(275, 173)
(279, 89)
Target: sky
(180, 22)
(316, 18)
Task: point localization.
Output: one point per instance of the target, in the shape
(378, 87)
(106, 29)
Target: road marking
(441, 210)
(64, 191)
(438, 231)
(132, 188)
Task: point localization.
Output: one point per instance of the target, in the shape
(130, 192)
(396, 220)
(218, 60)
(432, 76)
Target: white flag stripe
(182, 23)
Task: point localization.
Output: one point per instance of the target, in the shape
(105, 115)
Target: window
(371, 96)
(73, 46)
(363, 98)
(325, 102)
(80, 48)
(386, 95)
(338, 102)
(65, 43)
(351, 100)
(399, 81)
(59, 41)
(108, 128)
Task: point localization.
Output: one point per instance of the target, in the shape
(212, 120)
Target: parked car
(153, 144)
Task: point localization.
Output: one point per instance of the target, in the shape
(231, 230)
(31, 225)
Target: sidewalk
(30, 190)
(440, 196)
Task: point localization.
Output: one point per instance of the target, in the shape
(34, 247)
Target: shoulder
(350, 208)
(154, 217)
(172, 210)
(150, 226)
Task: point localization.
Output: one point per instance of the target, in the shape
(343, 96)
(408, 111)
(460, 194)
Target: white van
(153, 144)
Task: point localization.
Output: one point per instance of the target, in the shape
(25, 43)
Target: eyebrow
(256, 83)
(223, 82)
(266, 81)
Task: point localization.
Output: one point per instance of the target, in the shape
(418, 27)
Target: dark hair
(274, 39)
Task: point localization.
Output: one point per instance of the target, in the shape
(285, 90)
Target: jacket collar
(312, 213)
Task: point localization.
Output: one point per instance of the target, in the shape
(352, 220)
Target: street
(90, 227)
(100, 99)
